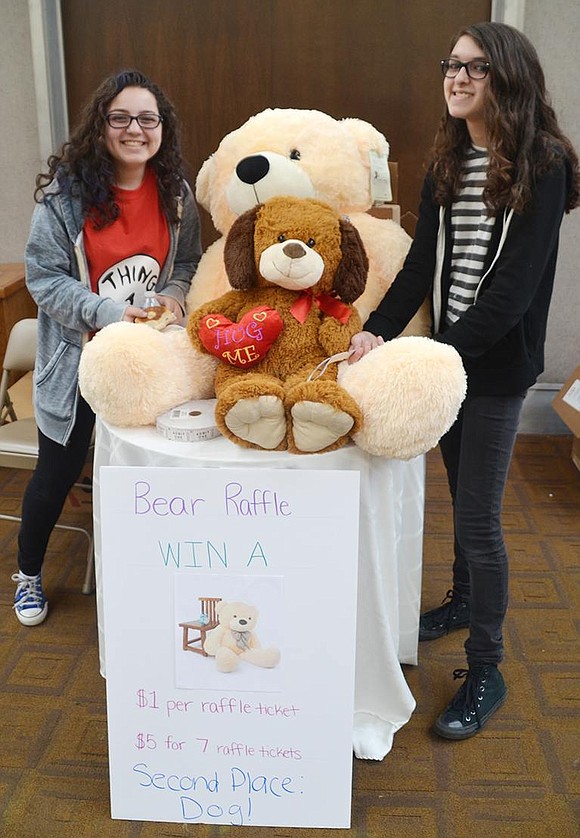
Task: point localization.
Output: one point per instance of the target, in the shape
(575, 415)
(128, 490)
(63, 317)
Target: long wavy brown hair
(523, 135)
(84, 167)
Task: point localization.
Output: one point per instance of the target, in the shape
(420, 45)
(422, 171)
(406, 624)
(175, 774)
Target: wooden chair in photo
(194, 631)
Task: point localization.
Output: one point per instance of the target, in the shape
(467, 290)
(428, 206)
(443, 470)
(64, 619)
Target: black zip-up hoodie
(501, 336)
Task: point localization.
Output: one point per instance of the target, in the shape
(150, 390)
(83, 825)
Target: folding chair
(18, 437)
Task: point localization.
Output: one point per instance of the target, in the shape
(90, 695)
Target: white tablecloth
(390, 551)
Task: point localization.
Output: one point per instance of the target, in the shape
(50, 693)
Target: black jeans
(477, 452)
(57, 469)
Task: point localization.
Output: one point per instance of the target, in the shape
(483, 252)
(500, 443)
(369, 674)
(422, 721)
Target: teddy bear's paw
(212, 641)
(410, 391)
(129, 376)
(261, 421)
(265, 658)
(316, 426)
(226, 660)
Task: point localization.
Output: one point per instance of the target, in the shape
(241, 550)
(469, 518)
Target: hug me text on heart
(241, 344)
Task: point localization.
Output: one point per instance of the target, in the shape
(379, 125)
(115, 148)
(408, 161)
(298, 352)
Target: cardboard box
(567, 406)
(391, 211)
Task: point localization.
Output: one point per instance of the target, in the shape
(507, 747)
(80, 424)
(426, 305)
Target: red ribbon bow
(325, 302)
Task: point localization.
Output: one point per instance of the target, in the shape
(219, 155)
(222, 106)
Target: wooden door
(221, 61)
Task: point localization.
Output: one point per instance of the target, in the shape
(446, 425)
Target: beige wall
(21, 158)
(554, 29)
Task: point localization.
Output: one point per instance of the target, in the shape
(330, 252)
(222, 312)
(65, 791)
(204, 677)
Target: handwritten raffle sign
(229, 603)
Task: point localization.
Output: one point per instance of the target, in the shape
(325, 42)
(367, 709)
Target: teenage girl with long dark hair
(115, 221)
(502, 175)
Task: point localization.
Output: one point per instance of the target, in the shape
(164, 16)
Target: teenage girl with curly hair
(502, 175)
(115, 222)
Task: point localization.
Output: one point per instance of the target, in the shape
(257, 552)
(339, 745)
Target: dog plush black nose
(252, 169)
(293, 250)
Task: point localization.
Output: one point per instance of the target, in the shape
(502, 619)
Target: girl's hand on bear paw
(362, 343)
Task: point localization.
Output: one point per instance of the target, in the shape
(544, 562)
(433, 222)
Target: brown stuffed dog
(295, 267)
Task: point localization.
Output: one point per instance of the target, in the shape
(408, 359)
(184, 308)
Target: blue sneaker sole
(32, 621)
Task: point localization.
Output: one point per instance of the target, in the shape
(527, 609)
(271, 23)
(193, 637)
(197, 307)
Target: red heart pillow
(241, 344)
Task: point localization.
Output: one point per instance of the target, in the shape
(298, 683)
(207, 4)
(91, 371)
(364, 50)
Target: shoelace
(448, 607)
(448, 598)
(468, 696)
(454, 603)
(29, 590)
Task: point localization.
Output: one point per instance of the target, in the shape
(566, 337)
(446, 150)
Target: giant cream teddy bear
(408, 391)
(280, 151)
(303, 154)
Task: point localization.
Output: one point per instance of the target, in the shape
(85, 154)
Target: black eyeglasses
(450, 68)
(118, 119)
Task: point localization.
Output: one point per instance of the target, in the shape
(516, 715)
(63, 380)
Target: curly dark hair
(524, 139)
(84, 164)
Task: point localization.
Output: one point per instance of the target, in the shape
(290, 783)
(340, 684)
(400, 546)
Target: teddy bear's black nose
(243, 622)
(252, 169)
(294, 250)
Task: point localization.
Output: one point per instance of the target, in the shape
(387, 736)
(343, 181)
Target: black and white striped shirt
(471, 231)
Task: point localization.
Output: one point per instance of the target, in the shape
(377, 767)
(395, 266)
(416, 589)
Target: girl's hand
(362, 343)
(170, 304)
(131, 312)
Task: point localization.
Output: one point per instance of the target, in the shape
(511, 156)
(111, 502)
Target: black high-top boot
(453, 614)
(481, 694)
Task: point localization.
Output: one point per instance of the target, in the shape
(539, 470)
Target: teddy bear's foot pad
(261, 421)
(317, 425)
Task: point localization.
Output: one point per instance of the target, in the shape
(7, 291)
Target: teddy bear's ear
(351, 275)
(203, 183)
(239, 251)
(367, 138)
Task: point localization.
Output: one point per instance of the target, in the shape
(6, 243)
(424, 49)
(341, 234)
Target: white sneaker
(30, 603)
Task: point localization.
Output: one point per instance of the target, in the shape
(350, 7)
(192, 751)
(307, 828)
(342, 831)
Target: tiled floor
(519, 778)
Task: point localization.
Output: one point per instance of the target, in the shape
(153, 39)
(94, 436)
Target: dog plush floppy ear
(239, 259)
(351, 275)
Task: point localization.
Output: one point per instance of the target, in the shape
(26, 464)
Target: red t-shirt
(126, 257)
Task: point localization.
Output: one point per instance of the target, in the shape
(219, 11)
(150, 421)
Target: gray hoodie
(68, 311)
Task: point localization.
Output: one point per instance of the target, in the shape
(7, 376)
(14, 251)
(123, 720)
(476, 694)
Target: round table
(390, 555)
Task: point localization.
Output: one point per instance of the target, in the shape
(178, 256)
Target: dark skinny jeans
(477, 452)
(57, 469)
